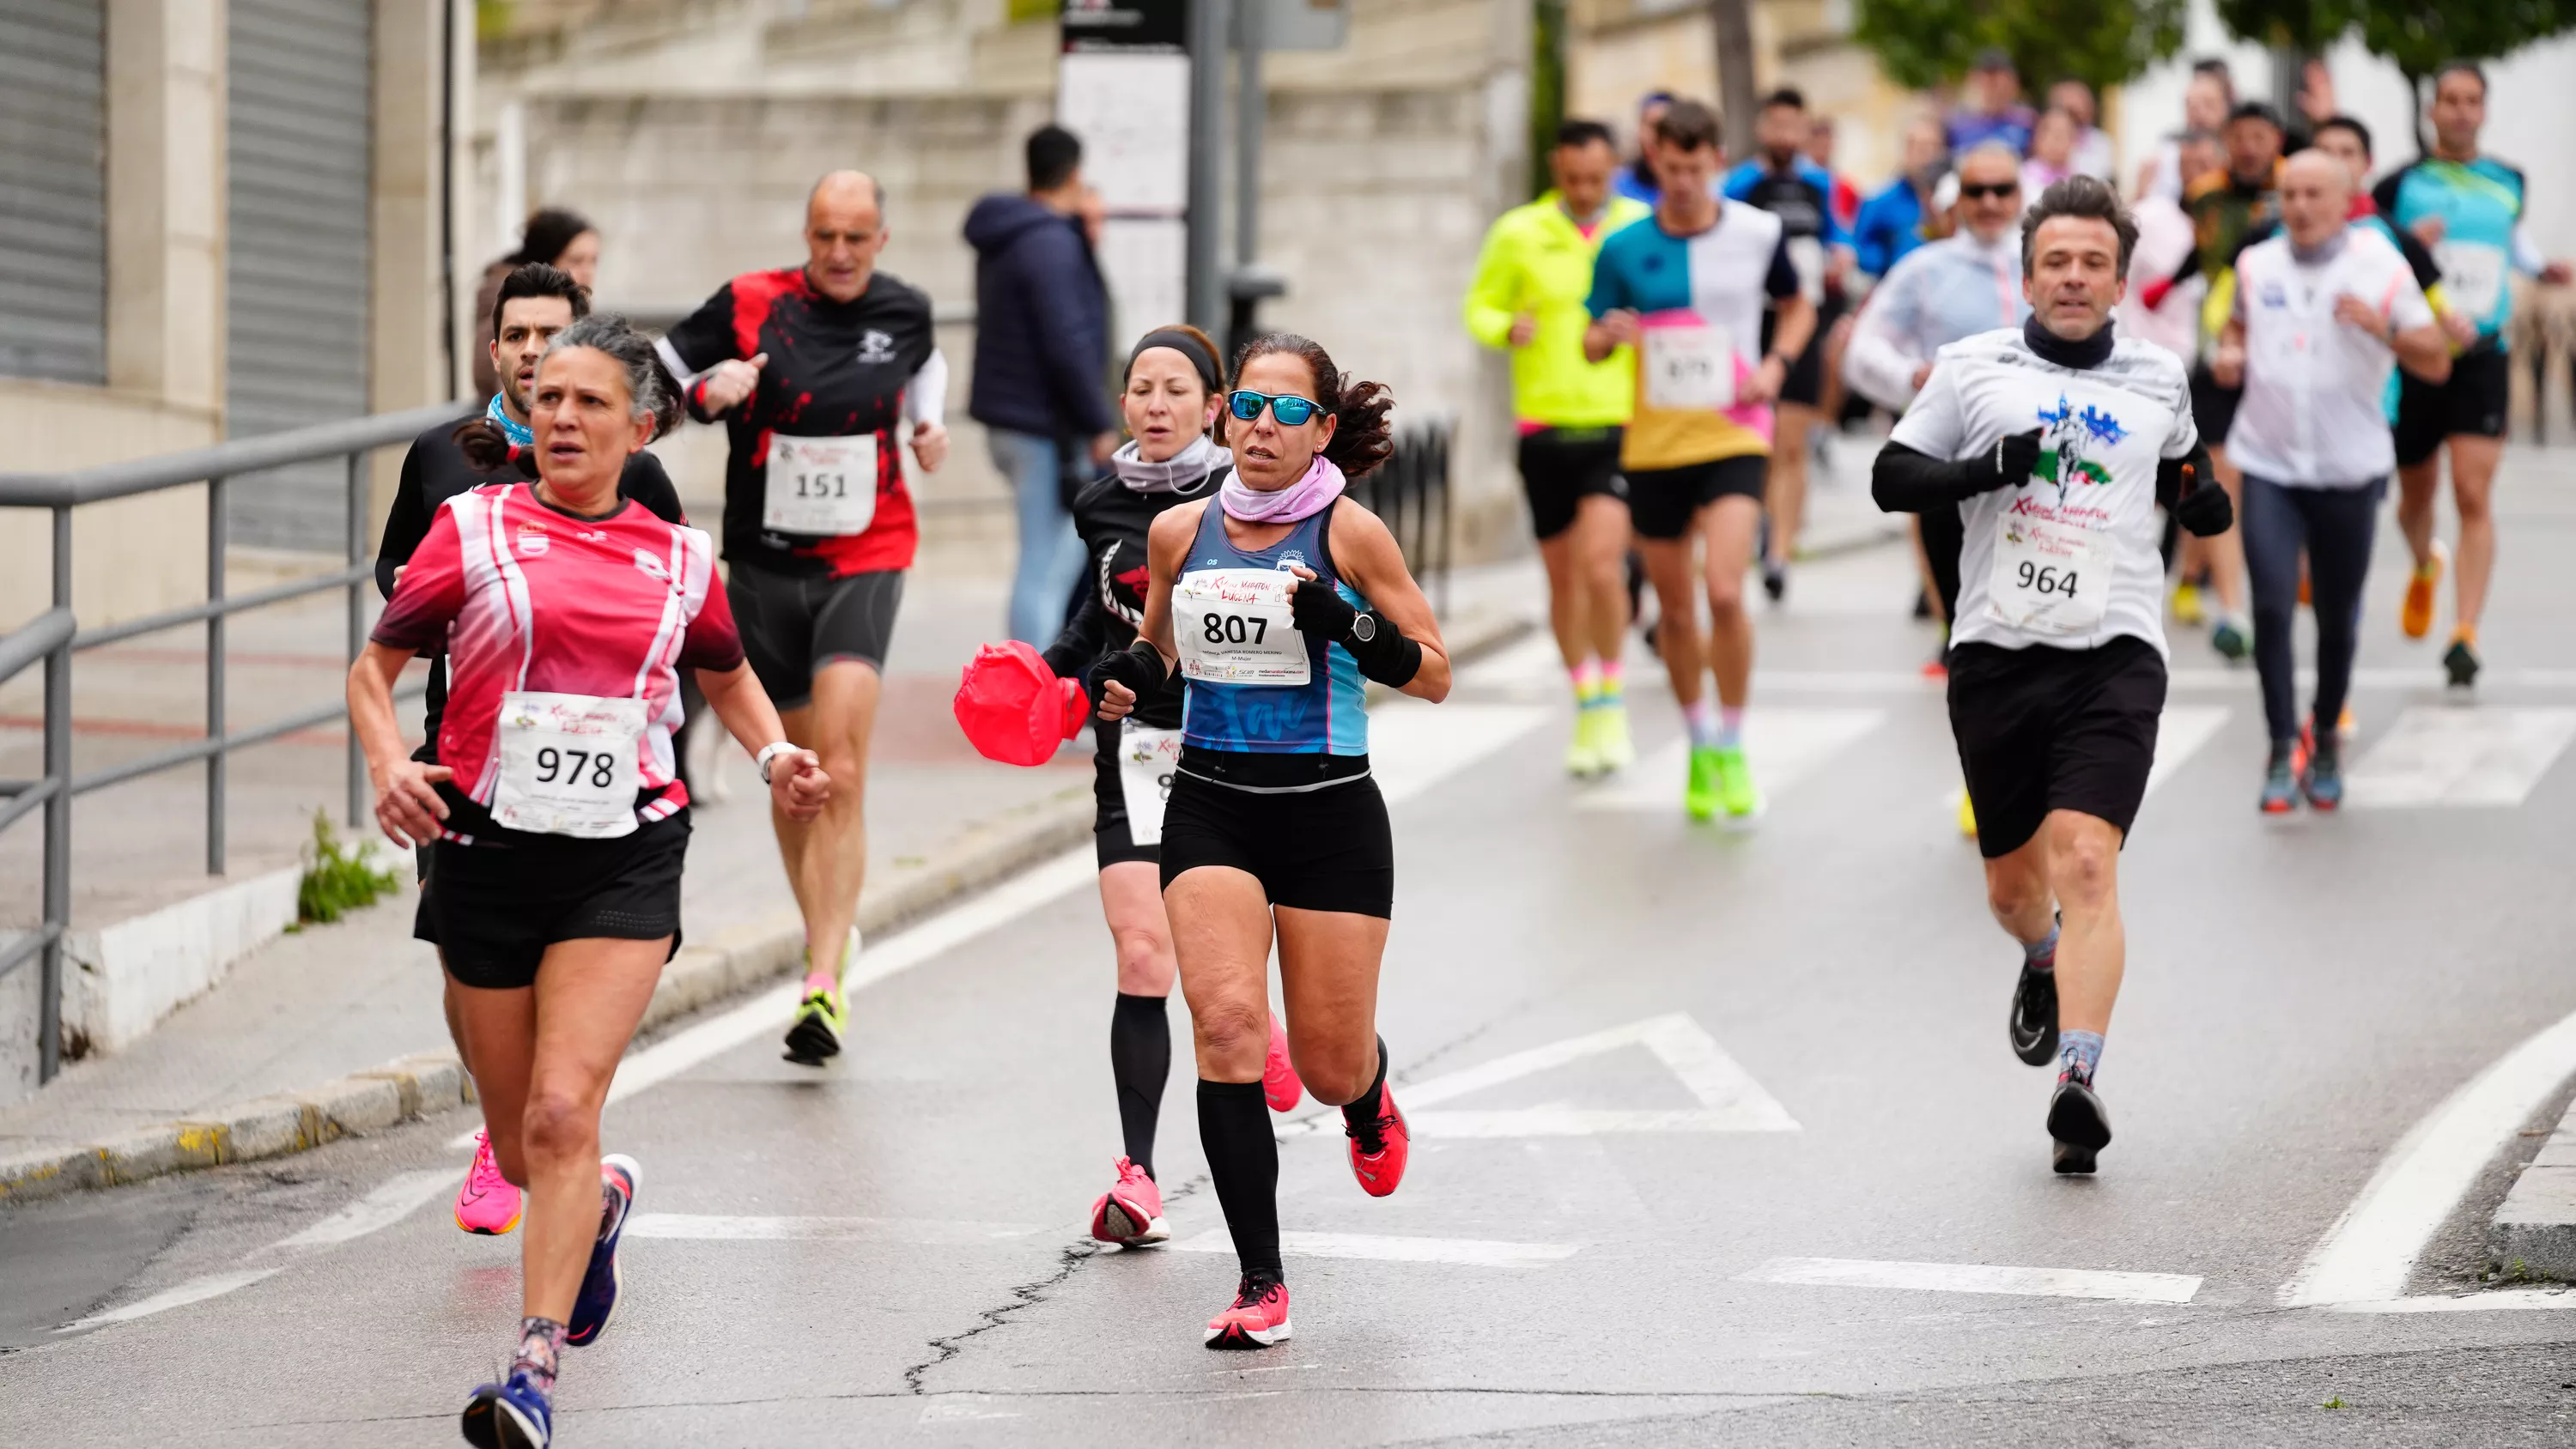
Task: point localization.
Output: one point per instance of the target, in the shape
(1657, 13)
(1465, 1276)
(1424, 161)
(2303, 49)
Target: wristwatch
(1364, 627)
(770, 752)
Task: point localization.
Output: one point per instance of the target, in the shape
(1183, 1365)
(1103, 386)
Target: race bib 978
(568, 764)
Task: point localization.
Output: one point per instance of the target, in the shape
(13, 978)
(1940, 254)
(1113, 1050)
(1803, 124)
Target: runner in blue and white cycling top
(2469, 209)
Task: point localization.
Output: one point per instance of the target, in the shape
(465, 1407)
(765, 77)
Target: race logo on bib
(2069, 436)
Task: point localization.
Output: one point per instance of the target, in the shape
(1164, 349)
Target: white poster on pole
(1132, 113)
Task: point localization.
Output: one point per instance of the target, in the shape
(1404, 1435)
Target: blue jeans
(2335, 527)
(1050, 551)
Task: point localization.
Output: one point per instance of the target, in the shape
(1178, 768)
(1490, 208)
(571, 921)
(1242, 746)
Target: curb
(2533, 1233)
(735, 962)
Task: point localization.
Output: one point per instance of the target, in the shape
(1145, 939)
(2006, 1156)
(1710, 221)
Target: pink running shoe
(1278, 1075)
(1380, 1150)
(487, 1203)
(1130, 1214)
(1258, 1319)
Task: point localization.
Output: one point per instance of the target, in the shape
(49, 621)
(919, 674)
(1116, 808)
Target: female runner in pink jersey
(558, 817)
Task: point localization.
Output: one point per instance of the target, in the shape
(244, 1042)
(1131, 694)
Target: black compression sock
(1361, 1115)
(1140, 1057)
(1243, 1158)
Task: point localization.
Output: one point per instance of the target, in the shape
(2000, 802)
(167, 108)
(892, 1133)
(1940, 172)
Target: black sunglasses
(1973, 189)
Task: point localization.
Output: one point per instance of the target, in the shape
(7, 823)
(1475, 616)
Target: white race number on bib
(1147, 759)
(1234, 626)
(2049, 577)
(821, 485)
(1689, 369)
(2472, 277)
(568, 764)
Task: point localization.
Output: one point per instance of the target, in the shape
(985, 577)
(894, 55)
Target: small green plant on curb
(2335, 1403)
(338, 878)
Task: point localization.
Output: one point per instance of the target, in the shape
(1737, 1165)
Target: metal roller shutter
(298, 147)
(53, 189)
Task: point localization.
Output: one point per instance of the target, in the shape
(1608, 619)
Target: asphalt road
(1719, 1137)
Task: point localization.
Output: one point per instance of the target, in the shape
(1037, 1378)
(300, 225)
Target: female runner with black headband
(1169, 402)
(1277, 599)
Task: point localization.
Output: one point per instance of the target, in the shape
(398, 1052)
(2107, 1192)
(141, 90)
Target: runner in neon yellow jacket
(1528, 296)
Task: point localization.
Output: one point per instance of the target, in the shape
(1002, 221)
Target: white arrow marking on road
(1472, 1252)
(720, 1228)
(1730, 1100)
(2371, 1250)
(1978, 1278)
(1784, 746)
(195, 1290)
(2459, 757)
(2180, 733)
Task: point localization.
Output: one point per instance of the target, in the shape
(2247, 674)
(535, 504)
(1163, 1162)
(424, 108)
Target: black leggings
(2335, 526)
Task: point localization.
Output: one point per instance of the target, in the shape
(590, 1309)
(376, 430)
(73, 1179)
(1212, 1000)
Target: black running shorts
(1662, 502)
(1323, 849)
(1804, 384)
(2043, 729)
(1560, 467)
(2472, 404)
(1110, 840)
(792, 626)
(493, 907)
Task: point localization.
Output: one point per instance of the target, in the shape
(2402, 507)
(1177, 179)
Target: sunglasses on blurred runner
(1988, 188)
(1290, 411)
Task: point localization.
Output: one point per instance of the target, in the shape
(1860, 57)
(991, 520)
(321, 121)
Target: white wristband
(770, 752)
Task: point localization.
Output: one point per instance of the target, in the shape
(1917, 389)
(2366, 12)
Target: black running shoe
(2082, 1128)
(2034, 1016)
(1775, 581)
(2460, 662)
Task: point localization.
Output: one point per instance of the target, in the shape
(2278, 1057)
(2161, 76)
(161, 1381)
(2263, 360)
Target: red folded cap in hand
(1013, 708)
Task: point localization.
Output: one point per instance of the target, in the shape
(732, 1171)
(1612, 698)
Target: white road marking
(2180, 733)
(720, 1228)
(1783, 746)
(2369, 1253)
(387, 1205)
(195, 1290)
(1730, 1100)
(953, 1410)
(2502, 1300)
(1471, 1252)
(1978, 1278)
(2451, 756)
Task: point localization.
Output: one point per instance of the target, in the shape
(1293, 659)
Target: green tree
(2418, 37)
(1924, 43)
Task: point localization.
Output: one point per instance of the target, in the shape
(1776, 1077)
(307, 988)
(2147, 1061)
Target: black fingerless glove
(1139, 666)
(2005, 465)
(1375, 645)
(2205, 511)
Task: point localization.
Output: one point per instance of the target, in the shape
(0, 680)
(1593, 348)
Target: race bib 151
(820, 485)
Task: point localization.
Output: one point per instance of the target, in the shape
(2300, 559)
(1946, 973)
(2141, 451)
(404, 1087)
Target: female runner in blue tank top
(1276, 601)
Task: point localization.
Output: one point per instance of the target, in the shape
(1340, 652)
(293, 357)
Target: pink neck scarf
(1304, 498)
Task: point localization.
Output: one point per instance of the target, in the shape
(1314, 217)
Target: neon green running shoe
(816, 1036)
(1582, 754)
(1699, 797)
(1735, 782)
(1610, 735)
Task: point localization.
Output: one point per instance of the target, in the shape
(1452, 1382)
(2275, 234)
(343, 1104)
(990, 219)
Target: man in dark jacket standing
(1041, 364)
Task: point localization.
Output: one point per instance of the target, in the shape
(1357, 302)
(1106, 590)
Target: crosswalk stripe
(2179, 736)
(2456, 757)
(1977, 1278)
(1783, 746)
(1473, 1252)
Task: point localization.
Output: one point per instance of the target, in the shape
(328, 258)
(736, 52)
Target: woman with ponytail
(1169, 402)
(1275, 602)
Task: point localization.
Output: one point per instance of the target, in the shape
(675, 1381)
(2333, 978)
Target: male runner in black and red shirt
(820, 373)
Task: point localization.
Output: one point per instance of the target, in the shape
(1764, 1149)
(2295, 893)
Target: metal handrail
(55, 635)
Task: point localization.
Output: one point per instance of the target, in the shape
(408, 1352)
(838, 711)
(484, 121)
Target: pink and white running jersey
(529, 598)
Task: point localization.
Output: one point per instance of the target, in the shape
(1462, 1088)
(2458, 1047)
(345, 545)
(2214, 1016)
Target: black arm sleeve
(2169, 474)
(405, 525)
(1905, 481)
(1084, 639)
(2189, 269)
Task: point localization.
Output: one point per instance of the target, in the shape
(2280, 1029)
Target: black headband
(1187, 346)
